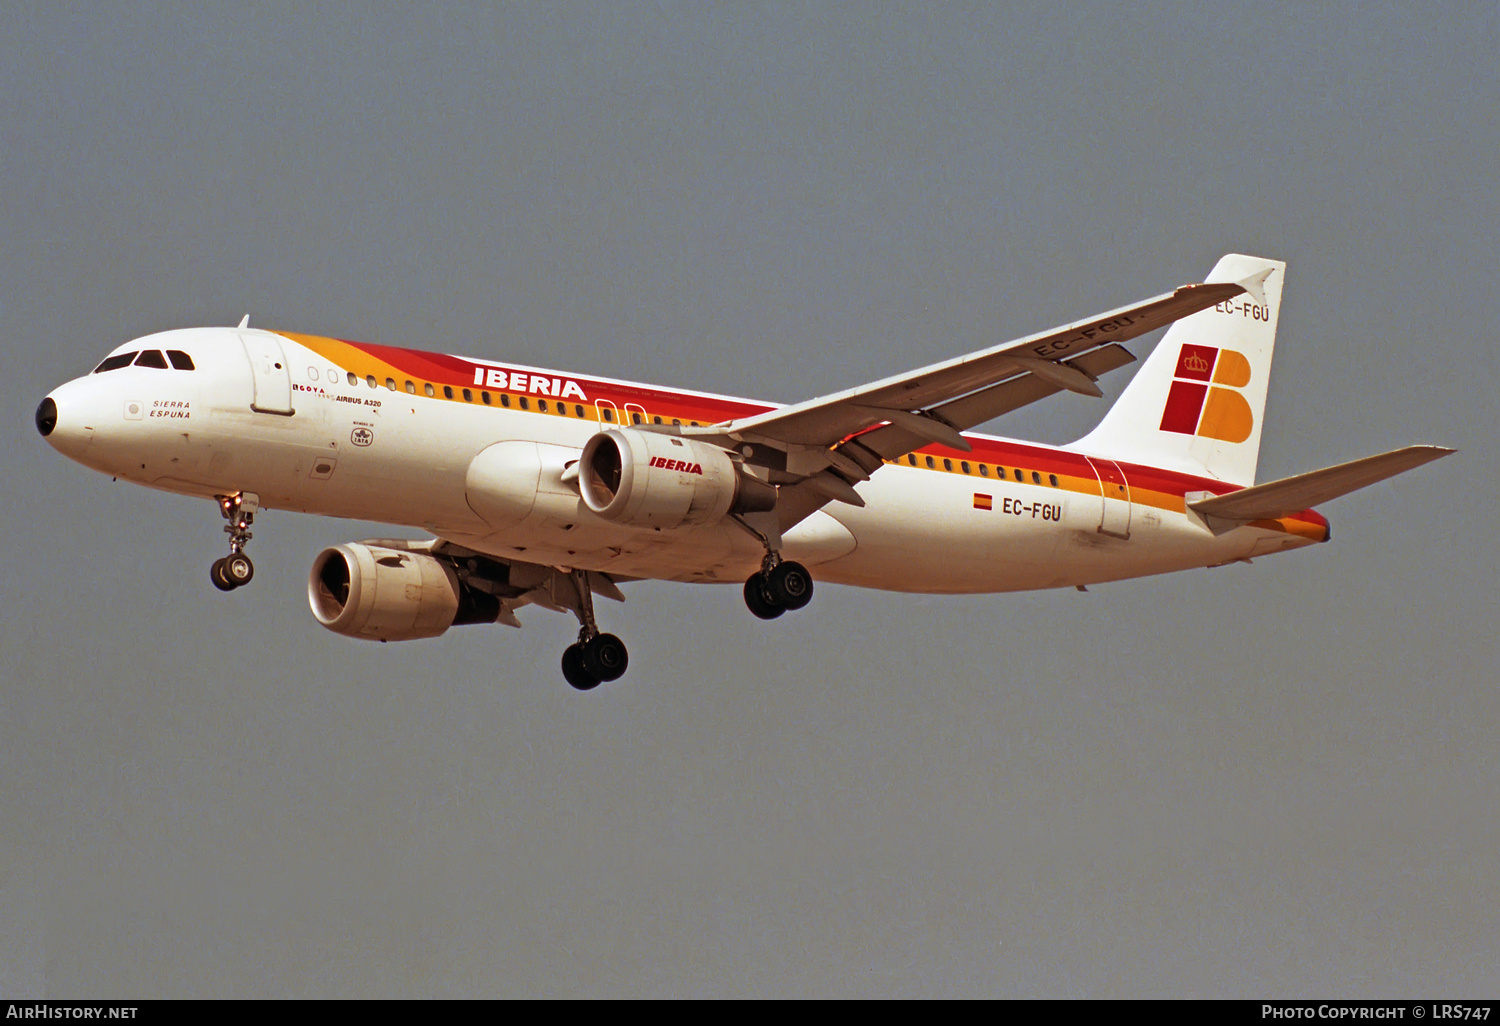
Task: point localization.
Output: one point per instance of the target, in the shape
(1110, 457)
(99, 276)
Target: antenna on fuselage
(245, 321)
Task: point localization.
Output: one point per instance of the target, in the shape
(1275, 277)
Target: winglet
(1255, 285)
(1234, 264)
(245, 321)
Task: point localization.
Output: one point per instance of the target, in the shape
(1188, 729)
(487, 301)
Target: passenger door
(273, 379)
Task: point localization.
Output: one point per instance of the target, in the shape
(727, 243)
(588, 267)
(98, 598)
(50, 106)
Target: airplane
(548, 488)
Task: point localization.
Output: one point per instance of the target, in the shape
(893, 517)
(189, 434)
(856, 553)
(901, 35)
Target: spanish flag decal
(982, 501)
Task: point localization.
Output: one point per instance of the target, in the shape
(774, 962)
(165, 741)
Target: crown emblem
(1195, 363)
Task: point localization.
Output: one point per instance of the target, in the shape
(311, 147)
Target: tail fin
(1198, 401)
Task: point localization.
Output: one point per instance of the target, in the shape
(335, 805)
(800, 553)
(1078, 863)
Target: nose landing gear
(231, 571)
(235, 569)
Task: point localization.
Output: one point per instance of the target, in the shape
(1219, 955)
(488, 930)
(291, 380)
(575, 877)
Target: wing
(817, 450)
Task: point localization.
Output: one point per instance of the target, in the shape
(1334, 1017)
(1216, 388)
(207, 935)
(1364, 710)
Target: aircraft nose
(46, 416)
(66, 419)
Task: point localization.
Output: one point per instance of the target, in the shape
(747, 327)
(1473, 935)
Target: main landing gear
(780, 585)
(235, 569)
(590, 661)
(595, 657)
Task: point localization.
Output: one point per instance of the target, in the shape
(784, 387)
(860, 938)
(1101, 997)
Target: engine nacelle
(385, 594)
(646, 479)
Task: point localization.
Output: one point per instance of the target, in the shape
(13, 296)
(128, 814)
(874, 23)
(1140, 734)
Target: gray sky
(1276, 779)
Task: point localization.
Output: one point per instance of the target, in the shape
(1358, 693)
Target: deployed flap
(516, 583)
(1294, 494)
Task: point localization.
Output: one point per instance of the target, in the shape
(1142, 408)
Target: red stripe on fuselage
(442, 369)
(707, 408)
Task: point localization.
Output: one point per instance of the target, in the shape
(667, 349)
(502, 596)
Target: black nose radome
(46, 416)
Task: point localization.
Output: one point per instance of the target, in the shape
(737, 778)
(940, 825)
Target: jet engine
(366, 590)
(645, 479)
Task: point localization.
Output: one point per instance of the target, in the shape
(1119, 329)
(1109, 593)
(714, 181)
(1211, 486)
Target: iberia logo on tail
(1205, 400)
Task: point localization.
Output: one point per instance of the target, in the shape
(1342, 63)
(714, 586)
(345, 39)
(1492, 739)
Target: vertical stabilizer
(1198, 402)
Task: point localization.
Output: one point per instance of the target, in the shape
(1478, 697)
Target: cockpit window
(180, 360)
(115, 362)
(151, 358)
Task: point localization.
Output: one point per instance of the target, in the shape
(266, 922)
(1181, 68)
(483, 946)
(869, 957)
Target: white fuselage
(322, 430)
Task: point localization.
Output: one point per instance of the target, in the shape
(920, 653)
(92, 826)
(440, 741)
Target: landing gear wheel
(216, 574)
(758, 597)
(790, 585)
(604, 656)
(574, 671)
(238, 570)
(235, 569)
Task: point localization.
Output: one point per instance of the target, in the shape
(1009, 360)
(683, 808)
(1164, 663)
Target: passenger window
(947, 464)
(151, 358)
(541, 404)
(486, 397)
(911, 458)
(468, 396)
(609, 414)
(1053, 479)
(1019, 475)
(562, 409)
(964, 466)
(1036, 478)
(180, 360)
(636, 418)
(411, 388)
(504, 400)
(447, 391)
(370, 380)
(577, 410)
(430, 390)
(353, 378)
(984, 470)
(115, 362)
(525, 403)
(656, 420)
(931, 464)
(390, 383)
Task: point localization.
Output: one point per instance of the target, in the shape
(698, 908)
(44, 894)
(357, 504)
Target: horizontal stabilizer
(1293, 494)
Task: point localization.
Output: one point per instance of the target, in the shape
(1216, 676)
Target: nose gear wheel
(235, 570)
